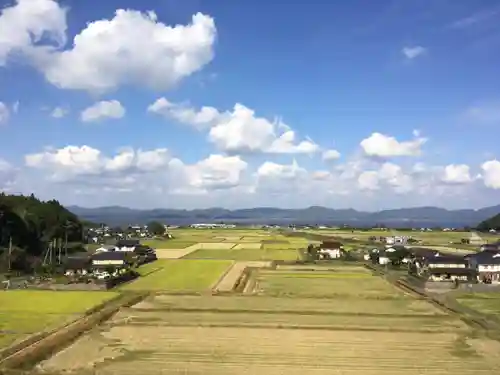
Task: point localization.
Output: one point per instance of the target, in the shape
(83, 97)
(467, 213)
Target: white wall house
(332, 253)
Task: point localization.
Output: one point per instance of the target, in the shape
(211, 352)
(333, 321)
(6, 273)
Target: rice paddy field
(430, 238)
(486, 303)
(339, 319)
(23, 313)
(179, 275)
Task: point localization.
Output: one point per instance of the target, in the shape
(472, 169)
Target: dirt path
(226, 284)
(446, 249)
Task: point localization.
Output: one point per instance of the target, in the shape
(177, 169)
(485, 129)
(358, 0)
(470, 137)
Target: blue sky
(364, 104)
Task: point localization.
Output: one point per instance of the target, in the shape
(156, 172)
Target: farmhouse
(492, 247)
(449, 268)
(331, 249)
(487, 265)
(77, 265)
(127, 245)
(106, 248)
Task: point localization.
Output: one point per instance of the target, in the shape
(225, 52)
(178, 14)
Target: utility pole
(9, 255)
(66, 240)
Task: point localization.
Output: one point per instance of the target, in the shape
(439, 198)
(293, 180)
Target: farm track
(229, 280)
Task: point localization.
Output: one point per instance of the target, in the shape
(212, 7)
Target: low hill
(403, 217)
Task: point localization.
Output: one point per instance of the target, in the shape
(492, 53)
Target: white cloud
(71, 161)
(281, 171)
(4, 113)
(213, 173)
(390, 174)
(201, 119)
(24, 24)
(385, 146)
(132, 48)
(484, 113)
(59, 112)
(491, 174)
(457, 174)
(331, 155)
(413, 52)
(239, 130)
(111, 109)
(155, 178)
(474, 19)
(137, 170)
(368, 180)
(4, 166)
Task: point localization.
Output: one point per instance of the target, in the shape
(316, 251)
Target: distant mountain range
(403, 217)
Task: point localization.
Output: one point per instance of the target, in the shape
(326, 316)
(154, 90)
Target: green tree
(28, 226)
(156, 228)
(491, 223)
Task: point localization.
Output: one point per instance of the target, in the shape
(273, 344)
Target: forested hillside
(491, 223)
(29, 226)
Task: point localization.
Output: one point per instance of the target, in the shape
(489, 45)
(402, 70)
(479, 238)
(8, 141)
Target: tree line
(29, 227)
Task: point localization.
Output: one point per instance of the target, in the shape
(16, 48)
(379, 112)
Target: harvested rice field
(160, 341)
(360, 325)
(245, 254)
(336, 318)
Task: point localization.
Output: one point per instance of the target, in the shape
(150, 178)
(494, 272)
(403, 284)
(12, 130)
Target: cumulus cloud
(331, 155)
(386, 146)
(157, 178)
(111, 109)
(132, 48)
(413, 52)
(389, 174)
(237, 131)
(457, 174)
(138, 169)
(491, 173)
(59, 112)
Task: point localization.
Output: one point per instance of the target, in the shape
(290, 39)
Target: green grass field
(179, 275)
(25, 312)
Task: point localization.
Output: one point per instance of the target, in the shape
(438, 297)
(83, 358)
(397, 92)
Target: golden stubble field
(320, 323)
